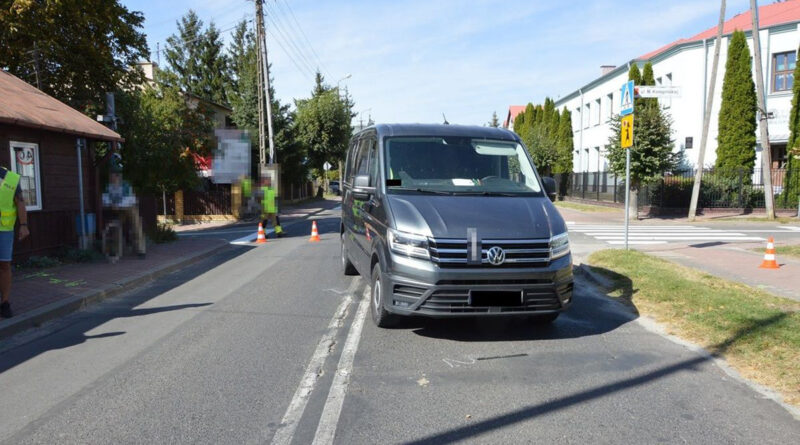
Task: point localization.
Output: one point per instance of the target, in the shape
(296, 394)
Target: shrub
(163, 233)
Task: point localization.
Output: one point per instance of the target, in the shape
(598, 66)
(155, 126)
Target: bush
(163, 233)
(39, 262)
(71, 255)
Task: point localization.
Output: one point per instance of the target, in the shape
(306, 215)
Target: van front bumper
(417, 287)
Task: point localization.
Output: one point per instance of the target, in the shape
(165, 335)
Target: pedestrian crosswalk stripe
(661, 234)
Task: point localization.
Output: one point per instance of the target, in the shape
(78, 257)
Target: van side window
(352, 156)
(373, 163)
(362, 164)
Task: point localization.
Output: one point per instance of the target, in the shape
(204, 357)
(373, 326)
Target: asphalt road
(271, 344)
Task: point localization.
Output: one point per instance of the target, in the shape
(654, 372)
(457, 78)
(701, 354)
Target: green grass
(756, 332)
(793, 251)
(585, 207)
(781, 219)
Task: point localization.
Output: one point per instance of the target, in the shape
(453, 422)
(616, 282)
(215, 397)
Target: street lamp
(343, 78)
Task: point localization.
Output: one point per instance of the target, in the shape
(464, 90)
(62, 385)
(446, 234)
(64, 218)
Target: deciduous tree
(75, 50)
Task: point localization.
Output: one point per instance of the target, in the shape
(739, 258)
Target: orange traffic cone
(262, 237)
(314, 233)
(769, 256)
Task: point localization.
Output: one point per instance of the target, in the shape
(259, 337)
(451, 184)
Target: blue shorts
(6, 245)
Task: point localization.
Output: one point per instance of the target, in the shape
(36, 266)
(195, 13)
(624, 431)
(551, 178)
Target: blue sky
(412, 60)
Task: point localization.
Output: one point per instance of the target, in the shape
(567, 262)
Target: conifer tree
(737, 115)
(791, 187)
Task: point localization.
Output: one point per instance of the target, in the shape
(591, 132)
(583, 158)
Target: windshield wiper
(421, 190)
(485, 193)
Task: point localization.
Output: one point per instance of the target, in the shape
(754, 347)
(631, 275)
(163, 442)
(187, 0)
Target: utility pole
(698, 178)
(766, 152)
(263, 89)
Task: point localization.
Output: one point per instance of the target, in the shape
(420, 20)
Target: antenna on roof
(445, 119)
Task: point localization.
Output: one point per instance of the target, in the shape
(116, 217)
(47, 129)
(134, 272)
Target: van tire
(380, 316)
(347, 266)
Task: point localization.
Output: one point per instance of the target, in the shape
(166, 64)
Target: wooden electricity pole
(263, 90)
(766, 152)
(698, 178)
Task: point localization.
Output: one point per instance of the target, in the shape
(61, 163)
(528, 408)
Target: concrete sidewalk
(288, 213)
(732, 261)
(43, 294)
(738, 263)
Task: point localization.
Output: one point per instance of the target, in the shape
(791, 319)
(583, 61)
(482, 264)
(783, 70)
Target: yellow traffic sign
(626, 132)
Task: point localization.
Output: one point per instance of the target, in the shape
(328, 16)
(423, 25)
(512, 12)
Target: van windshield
(459, 165)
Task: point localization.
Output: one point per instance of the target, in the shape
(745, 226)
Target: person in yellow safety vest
(269, 210)
(12, 206)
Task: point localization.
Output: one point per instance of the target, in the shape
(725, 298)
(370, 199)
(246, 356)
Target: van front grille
(452, 253)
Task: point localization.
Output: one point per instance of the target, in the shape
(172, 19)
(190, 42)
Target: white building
(687, 64)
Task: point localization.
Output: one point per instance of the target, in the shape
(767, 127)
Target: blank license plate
(495, 298)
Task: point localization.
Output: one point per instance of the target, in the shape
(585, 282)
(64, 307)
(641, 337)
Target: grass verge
(585, 207)
(756, 332)
(780, 219)
(792, 251)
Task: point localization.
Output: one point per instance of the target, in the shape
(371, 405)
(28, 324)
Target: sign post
(626, 141)
(327, 166)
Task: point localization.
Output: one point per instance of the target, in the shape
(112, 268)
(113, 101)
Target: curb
(38, 316)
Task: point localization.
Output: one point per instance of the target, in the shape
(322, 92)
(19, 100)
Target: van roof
(473, 131)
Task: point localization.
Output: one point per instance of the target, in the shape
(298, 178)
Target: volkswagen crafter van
(450, 220)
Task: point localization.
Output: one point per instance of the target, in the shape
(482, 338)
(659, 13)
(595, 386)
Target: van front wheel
(347, 266)
(380, 316)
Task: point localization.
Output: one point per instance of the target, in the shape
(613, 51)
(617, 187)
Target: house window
(25, 162)
(610, 108)
(783, 71)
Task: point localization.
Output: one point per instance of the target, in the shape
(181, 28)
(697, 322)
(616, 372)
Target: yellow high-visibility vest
(8, 208)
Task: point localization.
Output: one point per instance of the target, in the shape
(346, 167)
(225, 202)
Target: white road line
(216, 232)
(634, 242)
(793, 228)
(294, 412)
(250, 238)
(569, 223)
(683, 238)
(326, 430)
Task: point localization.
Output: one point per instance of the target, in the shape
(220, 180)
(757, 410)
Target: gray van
(451, 220)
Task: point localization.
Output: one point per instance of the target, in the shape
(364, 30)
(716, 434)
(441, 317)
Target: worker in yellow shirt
(269, 206)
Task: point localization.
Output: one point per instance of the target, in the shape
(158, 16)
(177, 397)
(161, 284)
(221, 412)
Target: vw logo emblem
(496, 256)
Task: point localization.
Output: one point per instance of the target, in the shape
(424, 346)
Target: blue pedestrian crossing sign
(626, 99)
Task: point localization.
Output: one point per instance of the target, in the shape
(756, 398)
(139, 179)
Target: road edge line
(294, 412)
(326, 429)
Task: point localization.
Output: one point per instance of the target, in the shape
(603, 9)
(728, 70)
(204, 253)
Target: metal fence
(737, 189)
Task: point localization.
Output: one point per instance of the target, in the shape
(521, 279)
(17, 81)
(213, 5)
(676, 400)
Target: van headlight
(559, 245)
(408, 244)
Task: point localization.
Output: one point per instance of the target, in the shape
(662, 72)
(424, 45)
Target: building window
(610, 108)
(597, 112)
(576, 116)
(25, 162)
(586, 116)
(783, 71)
(668, 82)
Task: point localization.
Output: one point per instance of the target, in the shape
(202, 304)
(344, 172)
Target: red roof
(768, 15)
(513, 111)
(22, 104)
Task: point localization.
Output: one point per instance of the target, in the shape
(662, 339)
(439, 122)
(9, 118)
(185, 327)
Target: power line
(303, 34)
(274, 19)
(221, 31)
(304, 72)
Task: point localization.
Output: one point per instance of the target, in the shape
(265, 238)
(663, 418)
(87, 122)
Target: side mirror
(361, 188)
(549, 187)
